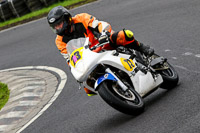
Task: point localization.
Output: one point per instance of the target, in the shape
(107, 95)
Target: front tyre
(129, 102)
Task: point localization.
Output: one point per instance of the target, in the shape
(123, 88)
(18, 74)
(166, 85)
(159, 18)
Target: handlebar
(99, 45)
(103, 39)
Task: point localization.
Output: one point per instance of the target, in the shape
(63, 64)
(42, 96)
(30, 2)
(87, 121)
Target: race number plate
(76, 56)
(128, 64)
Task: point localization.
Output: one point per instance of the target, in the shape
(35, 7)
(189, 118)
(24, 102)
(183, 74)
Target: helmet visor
(62, 25)
(59, 26)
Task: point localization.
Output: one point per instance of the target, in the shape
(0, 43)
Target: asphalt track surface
(172, 27)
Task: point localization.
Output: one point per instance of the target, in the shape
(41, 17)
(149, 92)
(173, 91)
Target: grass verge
(69, 4)
(4, 94)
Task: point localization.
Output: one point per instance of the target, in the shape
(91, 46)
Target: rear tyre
(169, 75)
(129, 103)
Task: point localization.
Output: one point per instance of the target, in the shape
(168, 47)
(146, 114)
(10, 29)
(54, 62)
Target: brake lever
(93, 48)
(98, 45)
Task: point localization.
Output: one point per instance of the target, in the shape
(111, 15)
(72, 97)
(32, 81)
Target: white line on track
(63, 79)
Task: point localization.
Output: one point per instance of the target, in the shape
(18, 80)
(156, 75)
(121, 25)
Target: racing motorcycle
(122, 77)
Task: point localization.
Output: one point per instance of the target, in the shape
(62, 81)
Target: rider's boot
(89, 92)
(146, 50)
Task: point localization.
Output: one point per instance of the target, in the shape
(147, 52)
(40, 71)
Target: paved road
(171, 27)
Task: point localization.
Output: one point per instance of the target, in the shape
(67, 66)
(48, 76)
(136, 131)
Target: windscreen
(75, 44)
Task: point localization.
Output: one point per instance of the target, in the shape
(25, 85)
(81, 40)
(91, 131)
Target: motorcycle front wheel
(129, 102)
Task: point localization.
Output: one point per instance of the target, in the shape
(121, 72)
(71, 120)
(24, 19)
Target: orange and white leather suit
(85, 25)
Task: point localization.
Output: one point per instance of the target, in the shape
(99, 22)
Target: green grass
(4, 94)
(43, 11)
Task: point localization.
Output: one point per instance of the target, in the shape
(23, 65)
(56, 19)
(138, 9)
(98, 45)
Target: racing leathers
(86, 25)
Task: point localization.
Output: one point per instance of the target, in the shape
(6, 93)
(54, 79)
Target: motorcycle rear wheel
(129, 103)
(169, 75)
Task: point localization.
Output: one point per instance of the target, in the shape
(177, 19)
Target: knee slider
(128, 35)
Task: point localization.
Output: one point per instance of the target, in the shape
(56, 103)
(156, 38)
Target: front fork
(121, 84)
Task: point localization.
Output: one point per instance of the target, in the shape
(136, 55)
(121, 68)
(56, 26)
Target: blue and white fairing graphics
(107, 76)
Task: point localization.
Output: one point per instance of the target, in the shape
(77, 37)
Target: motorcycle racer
(85, 25)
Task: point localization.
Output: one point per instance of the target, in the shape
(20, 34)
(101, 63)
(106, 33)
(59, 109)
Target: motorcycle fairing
(81, 67)
(107, 76)
(144, 83)
(84, 67)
